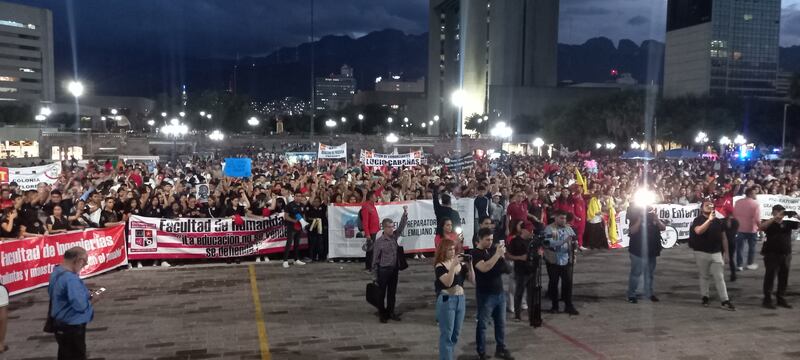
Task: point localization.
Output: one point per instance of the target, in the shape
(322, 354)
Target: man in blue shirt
(71, 305)
(559, 255)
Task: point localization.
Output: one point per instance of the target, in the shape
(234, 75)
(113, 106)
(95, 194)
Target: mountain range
(286, 71)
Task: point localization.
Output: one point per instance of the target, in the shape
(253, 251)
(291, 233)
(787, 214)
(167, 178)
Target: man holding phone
(71, 304)
(489, 264)
(777, 251)
(710, 244)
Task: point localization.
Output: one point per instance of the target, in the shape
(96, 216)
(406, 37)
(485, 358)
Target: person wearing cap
(707, 238)
(777, 251)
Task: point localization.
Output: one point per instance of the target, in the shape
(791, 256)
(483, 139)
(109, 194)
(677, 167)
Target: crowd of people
(570, 201)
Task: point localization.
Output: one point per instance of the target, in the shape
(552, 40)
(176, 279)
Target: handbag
(373, 294)
(402, 264)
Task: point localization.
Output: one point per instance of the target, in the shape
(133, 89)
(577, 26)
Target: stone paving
(318, 312)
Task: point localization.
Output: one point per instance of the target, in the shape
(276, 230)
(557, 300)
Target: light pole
(174, 130)
(216, 135)
(723, 143)
(459, 99)
(783, 136)
(361, 123)
(75, 88)
(702, 139)
(330, 124)
(538, 143)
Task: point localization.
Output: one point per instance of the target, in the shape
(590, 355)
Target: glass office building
(722, 47)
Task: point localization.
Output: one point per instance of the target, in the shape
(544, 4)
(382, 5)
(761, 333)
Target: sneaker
(330, 261)
(503, 354)
(739, 268)
(705, 301)
(165, 264)
(767, 304)
(258, 259)
(524, 306)
(266, 259)
(654, 299)
(726, 305)
(285, 264)
(416, 257)
(139, 265)
(395, 317)
(633, 300)
(571, 310)
(298, 262)
(752, 267)
(483, 357)
(782, 303)
(421, 256)
(583, 248)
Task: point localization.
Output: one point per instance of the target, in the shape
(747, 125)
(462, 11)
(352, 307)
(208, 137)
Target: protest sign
(26, 264)
(373, 159)
(295, 157)
(204, 238)
(203, 192)
(767, 201)
(238, 167)
(677, 217)
(345, 239)
(29, 177)
(332, 152)
(459, 164)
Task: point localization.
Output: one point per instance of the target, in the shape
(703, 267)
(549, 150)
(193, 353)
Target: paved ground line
(576, 342)
(263, 341)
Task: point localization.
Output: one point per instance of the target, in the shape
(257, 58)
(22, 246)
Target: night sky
(223, 28)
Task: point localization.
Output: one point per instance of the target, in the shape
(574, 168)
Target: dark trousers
(732, 255)
(71, 342)
(563, 273)
(776, 264)
(316, 246)
(368, 260)
(521, 285)
(387, 282)
(293, 239)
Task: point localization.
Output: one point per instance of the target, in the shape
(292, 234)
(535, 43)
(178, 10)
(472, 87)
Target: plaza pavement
(318, 311)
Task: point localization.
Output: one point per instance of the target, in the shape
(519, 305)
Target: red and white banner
(205, 238)
(28, 178)
(26, 264)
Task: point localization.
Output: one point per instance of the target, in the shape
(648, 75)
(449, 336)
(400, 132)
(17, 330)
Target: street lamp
(436, 118)
(389, 120)
(459, 98)
(151, 122)
(423, 125)
(253, 121)
(501, 130)
(538, 143)
(598, 145)
(45, 111)
(174, 121)
(40, 117)
(392, 138)
(216, 135)
(208, 116)
(725, 141)
(344, 119)
(163, 114)
(611, 146)
(182, 114)
(202, 113)
(114, 111)
(75, 88)
(102, 118)
(405, 119)
(739, 140)
(174, 130)
(360, 117)
(635, 145)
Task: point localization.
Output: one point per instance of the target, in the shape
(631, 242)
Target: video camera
(539, 241)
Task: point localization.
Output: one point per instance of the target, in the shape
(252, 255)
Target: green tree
(476, 122)
(16, 114)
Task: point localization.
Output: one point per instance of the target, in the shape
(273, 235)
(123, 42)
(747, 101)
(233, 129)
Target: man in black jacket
(644, 248)
(444, 210)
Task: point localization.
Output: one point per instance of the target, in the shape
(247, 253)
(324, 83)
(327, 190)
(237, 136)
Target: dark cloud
(638, 20)
(790, 25)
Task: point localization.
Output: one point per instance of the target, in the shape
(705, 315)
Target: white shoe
(139, 265)
(165, 264)
(740, 268)
(298, 262)
(266, 259)
(583, 248)
(416, 257)
(330, 261)
(524, 307)
(258, 259)
(421, 256)
(285, 264)
(752, 267)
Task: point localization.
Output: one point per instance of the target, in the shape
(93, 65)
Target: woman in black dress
(58, 222)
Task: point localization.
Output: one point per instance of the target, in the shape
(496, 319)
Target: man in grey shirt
(384, 265)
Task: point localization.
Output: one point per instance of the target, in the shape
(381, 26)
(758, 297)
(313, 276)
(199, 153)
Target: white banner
(371, 158)
(332, 152)
(28, 177)
(345, 239)
(766, 202)
(677, 217)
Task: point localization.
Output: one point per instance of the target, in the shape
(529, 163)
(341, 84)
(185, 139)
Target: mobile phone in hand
(99, 291)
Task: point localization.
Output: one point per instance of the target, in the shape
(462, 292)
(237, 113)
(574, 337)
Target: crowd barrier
(26, 264)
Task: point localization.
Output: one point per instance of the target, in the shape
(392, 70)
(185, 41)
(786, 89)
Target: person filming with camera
(777, 251)
(490, 266)
(451, 270)
(645, 247)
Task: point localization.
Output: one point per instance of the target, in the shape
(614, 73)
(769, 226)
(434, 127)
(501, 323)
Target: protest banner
(373, 159)
(767, 201)
(462, 163)
(238, 167)
(26, 264)
(204, 238)
(675, 216)
(203, 192)
(345, 239)
(332, 152)
(295, 157)
(29, 177)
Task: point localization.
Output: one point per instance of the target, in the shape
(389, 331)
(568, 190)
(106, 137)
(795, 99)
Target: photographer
(451, 271)
(644, 248)
(560, 245)
(777, 251)
(489, 263)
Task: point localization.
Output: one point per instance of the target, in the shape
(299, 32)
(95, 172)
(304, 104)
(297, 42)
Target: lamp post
(783, 136)
(361, 123)
(174, 130)
(538, 143)
(216, 135)
(330, 124)
(392, 138)
(459, 99)
(723, 143)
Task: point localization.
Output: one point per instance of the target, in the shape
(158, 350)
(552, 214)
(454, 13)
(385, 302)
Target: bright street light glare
(405, 119)
(644, 197)
(163, 114)
(182, 114)
(344, 119)
(174, 121)
(392, 138)
(75, 88)
(202, 113)
(330, 123)
(151, 122)
(45, 111)
(253, 121)
(423, 125)
(208, 116)
(389, 120)
(430, 123)
(435, 117)
(40, 117)
(216, 135)
(739, 140)
(538, 142)
(360, 116)
(114, 111)
(725, 141)
(459, 98)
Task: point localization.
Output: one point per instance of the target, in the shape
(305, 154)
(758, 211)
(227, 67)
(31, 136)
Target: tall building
(26, 53)
(335, 91)
(483, 46)
(722, 47)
